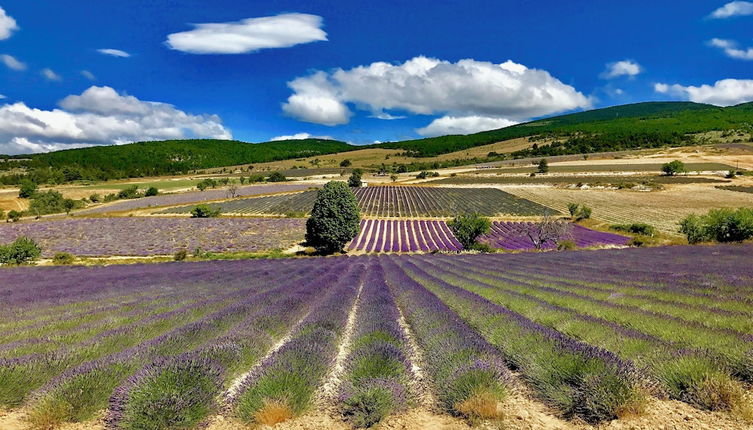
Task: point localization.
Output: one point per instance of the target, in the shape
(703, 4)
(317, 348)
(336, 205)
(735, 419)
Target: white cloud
(88, 75)
(726, 92)
(463, 125)
(429, 86)
(386, 116)
(99, 116)
(730, 48)
(7, 25)
(249, 35)
(298, 136)
(114, 52)
(12, 63)
(50, 75)
(734, 8)
(2, 96)
(622, 68)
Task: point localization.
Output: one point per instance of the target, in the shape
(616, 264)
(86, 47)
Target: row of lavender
(433, 235)
(591, 336)
(96, 237)
(404, 236)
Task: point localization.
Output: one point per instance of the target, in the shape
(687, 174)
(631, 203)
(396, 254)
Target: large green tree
(334, 219)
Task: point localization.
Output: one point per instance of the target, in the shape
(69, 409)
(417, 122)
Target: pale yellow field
(662, 209)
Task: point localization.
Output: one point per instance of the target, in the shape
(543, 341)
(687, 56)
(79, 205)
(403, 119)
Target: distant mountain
(179, 156)
(623, 126)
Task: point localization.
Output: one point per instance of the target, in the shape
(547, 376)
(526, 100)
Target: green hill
(174, 156)
(612, 128)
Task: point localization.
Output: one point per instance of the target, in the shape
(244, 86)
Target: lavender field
(593, 335)
(433, 235)
(190, 197)
(392, 201)
(143, 236)
(512, 236)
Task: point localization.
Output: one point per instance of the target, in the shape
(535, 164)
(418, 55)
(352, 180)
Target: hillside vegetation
(639, 125)
(168, 157)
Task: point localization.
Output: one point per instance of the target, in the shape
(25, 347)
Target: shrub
(543, 166)
(673, 168)
(721, 225)
(63, 258)
(636, 228)
(636, 242)
(22, 251)
(14, 215)
(334, 219)
(27, 189)
(566, 245)
(277, 177)
(95, 198)
(579, 212)
(180, 255)
(693, 228)
(572, 208)
(468, 227)
(355, 179)
(206, 183)
(584, 212)
(205, 211)
(47, 202)
(151, 191)
(130, 192)
(345, 163)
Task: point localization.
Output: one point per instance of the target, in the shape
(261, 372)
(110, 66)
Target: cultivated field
(137, 236)
(512, 236)
(190, 197)
(592, 180)
(434, 235)
(592, 336)
(396, 201)
(662, 209)
(404, 236)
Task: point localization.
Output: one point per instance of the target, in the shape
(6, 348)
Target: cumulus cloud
(430, 86)
(114, 52)
(99, 116)
(249, 35)
(50, 75)
(726, 92)
(88, 75)
(731, 49)
(622, 68)
(12, 63)
(298, 136)
(734, 8)
(7, 25)
(463, 125)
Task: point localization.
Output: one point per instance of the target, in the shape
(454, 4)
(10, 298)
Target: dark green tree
(205, 211)
(673, 168)
(543, 166)
(22, 251)
(345, 163)
(355, 178)
(27, 188)
(277, 177)
(151, 191)
(334, 219)
(468, 228)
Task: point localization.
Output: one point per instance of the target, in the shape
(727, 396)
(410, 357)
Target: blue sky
(81, 72)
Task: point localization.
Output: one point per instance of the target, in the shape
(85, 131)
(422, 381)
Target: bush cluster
(21, 251)
(205, 211)
(579, 212)
(721, 225)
